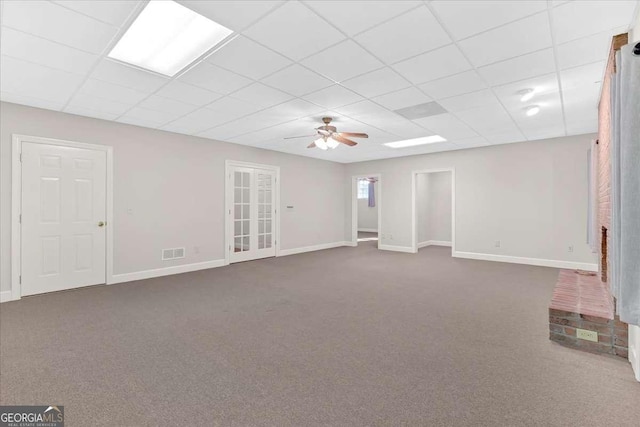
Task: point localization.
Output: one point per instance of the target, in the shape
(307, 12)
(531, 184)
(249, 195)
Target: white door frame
(16, 204)
(228, 203)
(414, 213)
(354, 206)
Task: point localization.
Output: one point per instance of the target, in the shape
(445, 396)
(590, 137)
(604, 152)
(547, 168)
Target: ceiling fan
(329, 137)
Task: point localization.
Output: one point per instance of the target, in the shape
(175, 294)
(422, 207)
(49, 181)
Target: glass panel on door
(242, 211)
(265, 207)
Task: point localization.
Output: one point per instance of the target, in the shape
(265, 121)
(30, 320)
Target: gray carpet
(342, 337)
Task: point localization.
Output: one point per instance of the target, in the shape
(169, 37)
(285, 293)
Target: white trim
(433, 243)
(228, 203)
(529, 261)
(16, 204)
(167, 271)
(368, 230)
(414, 213)
(5, 296)
(634, 349)
(320, 247)
(407, 249)
(354, 206)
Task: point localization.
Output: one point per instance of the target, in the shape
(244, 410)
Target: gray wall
(531, 196)
(433, 206)
(169, 189)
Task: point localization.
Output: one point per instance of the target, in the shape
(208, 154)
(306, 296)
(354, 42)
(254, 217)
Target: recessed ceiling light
(526, 94)
(166, 37)
(532, 110)
(416, 141)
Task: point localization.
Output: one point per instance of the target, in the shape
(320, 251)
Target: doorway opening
(366, 209)
(433, 216)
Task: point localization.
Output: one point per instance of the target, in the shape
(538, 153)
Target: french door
(63, 217)
(253, 211)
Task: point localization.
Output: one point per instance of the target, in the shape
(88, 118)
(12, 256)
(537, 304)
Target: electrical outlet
(570, 248)
(390, 236)
(384, 237)
(497, 243)
(584, 334)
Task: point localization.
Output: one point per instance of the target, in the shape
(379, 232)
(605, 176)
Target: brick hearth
(583, 301)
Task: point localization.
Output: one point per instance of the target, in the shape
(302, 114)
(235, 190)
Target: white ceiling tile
(343, 61)
(295, 31)
(106, 90)
(87, 112)
(297, 80)
(233, 107)
(41, 51)
(414, 32)
(233, 14)
(520, 68)
(261, 95)
(146, 117)
(514, 39)
(82, 101)
(510, 94)
(354, 16)
(112, 12)
(248, 58)
(198, 121)
(403, 128)
(470, 100)
(586, 50)
(448, 126)
(137, 121)
(31, 80)
(31, 101)
(474, 142)
(166, 105)
(487, 120)
(58, 24)
(545, 132)
(577, 19)
(433, 65)
(210, 77)
(505, 136)
(403, 98)
(333, 96)
(377, 82)
(458, 84)
(127, 76)
(188, 93)
(294, 109)
(465, 18)
(583, 76)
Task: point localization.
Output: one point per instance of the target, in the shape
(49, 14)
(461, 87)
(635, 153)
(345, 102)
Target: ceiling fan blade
(312, 145)
(354, 134)
(344, 140)
(301, 136)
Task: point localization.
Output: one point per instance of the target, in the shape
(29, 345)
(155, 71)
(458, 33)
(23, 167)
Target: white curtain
(626, 183)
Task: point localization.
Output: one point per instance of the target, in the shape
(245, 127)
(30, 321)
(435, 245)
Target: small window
(363, 189)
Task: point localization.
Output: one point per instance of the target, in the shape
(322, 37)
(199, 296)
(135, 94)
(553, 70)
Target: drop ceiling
(289, 63)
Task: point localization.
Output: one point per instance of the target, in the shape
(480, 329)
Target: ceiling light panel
(166, 37)
(416, 141)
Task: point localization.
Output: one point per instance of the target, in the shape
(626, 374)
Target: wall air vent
(174, 253)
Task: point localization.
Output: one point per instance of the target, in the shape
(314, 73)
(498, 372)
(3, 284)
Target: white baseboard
(285, 252)
(167, 271)
(394, 248)
(368, 230)
(434, 243)
(5, 296)
(529, 261)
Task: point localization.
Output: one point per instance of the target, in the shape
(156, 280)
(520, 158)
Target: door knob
(102, 224)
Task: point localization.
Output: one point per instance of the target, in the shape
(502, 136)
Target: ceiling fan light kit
(329, 137)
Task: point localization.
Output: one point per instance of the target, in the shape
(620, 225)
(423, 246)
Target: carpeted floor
(342, 337)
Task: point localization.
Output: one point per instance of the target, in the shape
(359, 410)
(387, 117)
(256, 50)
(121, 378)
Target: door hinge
(20, 157)
(20, 218)
(229, 248)
(20, 279)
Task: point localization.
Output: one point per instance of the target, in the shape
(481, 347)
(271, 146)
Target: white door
(252, 214)
(63, 213)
